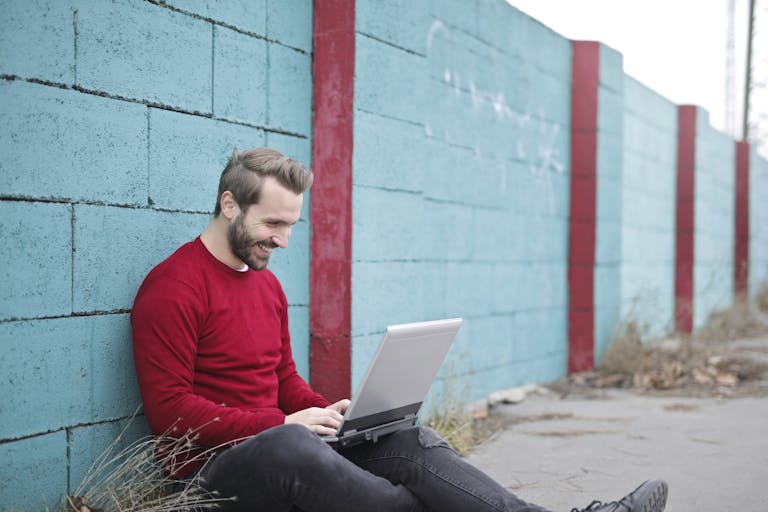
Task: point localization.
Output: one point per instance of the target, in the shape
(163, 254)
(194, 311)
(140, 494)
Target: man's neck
(214, 239)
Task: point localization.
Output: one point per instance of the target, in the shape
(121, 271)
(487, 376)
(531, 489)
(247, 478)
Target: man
(213, 360)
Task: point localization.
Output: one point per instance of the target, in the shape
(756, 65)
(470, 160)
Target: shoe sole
(657, 500)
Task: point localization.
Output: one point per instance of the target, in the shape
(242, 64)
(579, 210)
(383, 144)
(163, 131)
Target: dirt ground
(726, 358)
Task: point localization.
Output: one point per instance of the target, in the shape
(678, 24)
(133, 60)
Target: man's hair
(245, 172)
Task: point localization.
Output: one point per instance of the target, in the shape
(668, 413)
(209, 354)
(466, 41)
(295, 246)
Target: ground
(690, 410)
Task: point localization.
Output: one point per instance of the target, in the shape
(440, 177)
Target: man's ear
(229, 207)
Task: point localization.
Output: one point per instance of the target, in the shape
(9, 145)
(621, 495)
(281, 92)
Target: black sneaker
(651, 496)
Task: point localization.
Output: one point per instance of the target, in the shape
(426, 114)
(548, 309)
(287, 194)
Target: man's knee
(421, 437)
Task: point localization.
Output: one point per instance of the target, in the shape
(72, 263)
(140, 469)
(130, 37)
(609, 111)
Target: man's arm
(166, 319)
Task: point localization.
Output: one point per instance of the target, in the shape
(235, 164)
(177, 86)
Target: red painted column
(583, 212)
(685, 214)
(741, 228)
(330, 315)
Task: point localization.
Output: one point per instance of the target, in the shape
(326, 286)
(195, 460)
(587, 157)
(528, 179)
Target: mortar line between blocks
(74, 27)
(69, 461)
(266, 93)
(149, 158)
(72, 260)
(213, 67)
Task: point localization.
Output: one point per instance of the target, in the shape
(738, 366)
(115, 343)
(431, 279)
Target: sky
(676, 47)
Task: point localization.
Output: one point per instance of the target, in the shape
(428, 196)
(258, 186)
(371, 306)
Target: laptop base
(370, 435)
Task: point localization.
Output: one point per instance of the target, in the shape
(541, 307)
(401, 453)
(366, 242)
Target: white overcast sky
(676, 47)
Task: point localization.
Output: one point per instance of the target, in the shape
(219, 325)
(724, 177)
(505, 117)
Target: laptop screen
(402, 371)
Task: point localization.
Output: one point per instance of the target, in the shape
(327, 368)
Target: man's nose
(281, 239)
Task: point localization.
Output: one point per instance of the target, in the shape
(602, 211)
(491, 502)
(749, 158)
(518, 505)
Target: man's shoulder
(181, 267)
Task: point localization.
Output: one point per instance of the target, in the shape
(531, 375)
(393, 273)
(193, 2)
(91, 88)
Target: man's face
(264, 226)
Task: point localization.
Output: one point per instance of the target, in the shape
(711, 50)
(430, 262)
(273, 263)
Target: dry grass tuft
(761, 299)
(132, 479)
(705, 360)
(462, 430)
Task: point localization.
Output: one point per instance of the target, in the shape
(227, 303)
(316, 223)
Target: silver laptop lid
(403, 368)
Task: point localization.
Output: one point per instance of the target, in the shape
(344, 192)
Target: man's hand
(320, 421)
(340, 406)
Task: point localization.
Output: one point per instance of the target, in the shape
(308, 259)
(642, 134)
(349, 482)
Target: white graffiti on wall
(540, 152)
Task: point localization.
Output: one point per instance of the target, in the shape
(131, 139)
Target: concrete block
(291, 265)
(240, 73)
(495, 234)
(250, 16)
(410, 31)
(550, 51)
(298, 148)
(95, 148)
(289, 101)
(37, 40)
(34, 472)
(363, 349)
(610, 112)
(445, 169)
(390, 153)
(187, 155)
(91, 446)
(36, 259)
(107, 269)
(290, 23)
(488, 179)
(495, 334)
(65, 371)
(502, 23)
(609, 205)
(385, 293)
(433, 291)
(607, 283)
(389, 81)
(467, 286)
(611, 69)
(146, 52)
(507, 294)
(461, 14)
(445, 231)
(383, 225)
(608, 242)
(299, 325)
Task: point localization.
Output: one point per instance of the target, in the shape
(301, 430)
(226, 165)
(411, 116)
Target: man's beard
(242, 244)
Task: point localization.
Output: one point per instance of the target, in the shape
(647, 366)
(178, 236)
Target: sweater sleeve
(294, 394)
(166, 319)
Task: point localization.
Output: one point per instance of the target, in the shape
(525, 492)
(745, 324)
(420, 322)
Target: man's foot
(651, 496)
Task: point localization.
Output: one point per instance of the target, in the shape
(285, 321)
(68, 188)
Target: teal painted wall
(648, 210)
(758, 224)
(713, 221)
(117, 118)
(461, 187)
(608, 232)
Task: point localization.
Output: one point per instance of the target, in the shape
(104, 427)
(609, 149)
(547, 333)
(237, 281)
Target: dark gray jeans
(289, 468)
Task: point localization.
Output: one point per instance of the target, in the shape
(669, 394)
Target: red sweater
(212, 351)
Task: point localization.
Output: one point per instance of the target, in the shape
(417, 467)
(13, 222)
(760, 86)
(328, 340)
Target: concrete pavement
(563, 453)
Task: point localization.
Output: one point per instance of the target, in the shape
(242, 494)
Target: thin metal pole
(748, 82)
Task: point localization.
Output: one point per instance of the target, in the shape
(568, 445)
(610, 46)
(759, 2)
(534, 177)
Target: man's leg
(290, 466)
(420, 460)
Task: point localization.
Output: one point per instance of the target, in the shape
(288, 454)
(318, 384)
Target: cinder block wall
(713, 220)
(461, 186)
(648, 210)
(117, 118)
(758, 224)
(608, 232)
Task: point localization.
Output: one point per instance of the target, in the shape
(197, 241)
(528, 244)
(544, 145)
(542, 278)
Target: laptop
(396, 382)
